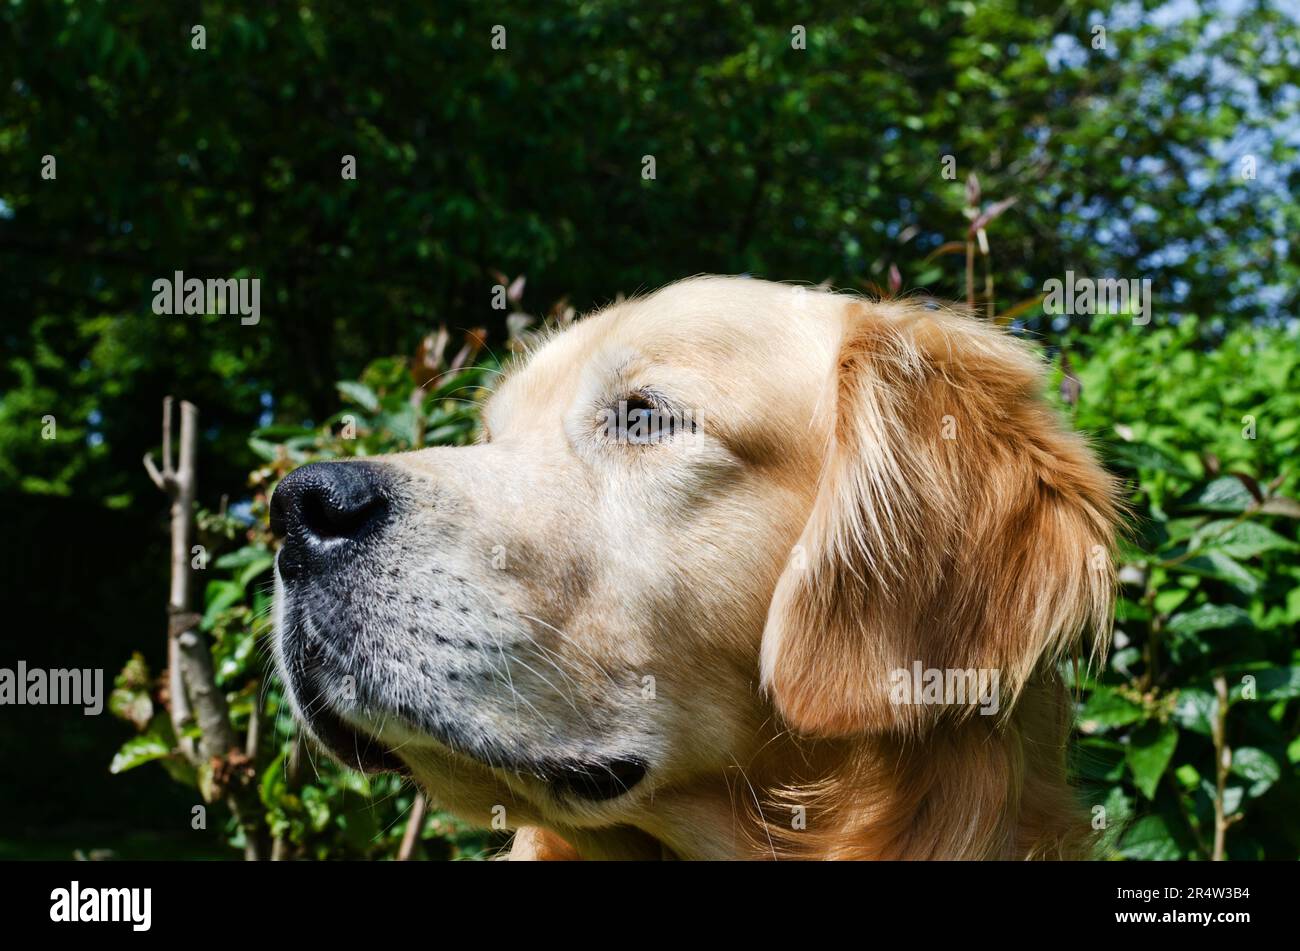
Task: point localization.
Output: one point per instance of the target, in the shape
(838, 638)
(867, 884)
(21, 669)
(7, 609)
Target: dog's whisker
(596, 663)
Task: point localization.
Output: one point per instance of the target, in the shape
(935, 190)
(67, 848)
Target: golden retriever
(737, 570)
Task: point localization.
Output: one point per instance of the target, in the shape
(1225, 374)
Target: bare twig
(1222, 763)
(192, 687)
(970, 275)
(413, 826)
(253, 741)
(178, 599)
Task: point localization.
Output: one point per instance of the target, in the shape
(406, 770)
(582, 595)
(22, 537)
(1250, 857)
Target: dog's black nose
(325, 507)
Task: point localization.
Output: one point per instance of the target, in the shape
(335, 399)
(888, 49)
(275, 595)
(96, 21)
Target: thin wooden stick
(1222, 763)
(192, 687)
(413, 827)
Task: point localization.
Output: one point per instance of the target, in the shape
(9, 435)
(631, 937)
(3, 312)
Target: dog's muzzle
(325, 512)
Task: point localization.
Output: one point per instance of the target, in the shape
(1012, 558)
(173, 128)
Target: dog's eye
(639, 420)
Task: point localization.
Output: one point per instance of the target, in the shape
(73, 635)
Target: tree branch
(192, 686)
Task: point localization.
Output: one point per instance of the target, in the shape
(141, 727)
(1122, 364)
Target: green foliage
(802, 164)
(1207, 438)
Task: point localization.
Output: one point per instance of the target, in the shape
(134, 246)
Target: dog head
(693, 518)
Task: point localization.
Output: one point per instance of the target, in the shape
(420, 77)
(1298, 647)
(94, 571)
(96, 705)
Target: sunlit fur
(987, 549)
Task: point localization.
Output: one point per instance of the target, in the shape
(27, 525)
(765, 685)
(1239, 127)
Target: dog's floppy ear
(956, 524)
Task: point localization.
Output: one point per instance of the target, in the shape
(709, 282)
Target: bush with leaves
(1188, 735)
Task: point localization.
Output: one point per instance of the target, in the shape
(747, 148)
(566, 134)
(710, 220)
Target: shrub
(1188, 735)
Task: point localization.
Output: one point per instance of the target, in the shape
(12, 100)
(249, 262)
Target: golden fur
(874, 485)
(990, 549)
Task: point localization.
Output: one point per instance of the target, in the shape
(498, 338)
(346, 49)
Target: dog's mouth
(593, 782)
(588, 781)
(585, 781)
(353, 747)
(349, 745)
(359, 746)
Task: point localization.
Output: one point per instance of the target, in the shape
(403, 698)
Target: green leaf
(254, 569)
(1151, 747)
(137, 751)
(1170, 598)
(1195, 709)
(241, 557)
(1216, 564)
(360, 394)
(318, 807)
(266, 451)
(219, 596)
(134, 674)
(1106, 709)
(1293, 606)
(460, 384)
(402, 423)
(273, 784)
(1143, 456)
(1118, 813)
(1209, 617)
(180, 770)
(1242, 540)
(1276, 683)
(134, 706)
(1097, 759)
(232, 654)
(928, 277)
(1125, 659)
(1225, 494)
(1150, 840)
(1256, 766)
(1187, 776)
